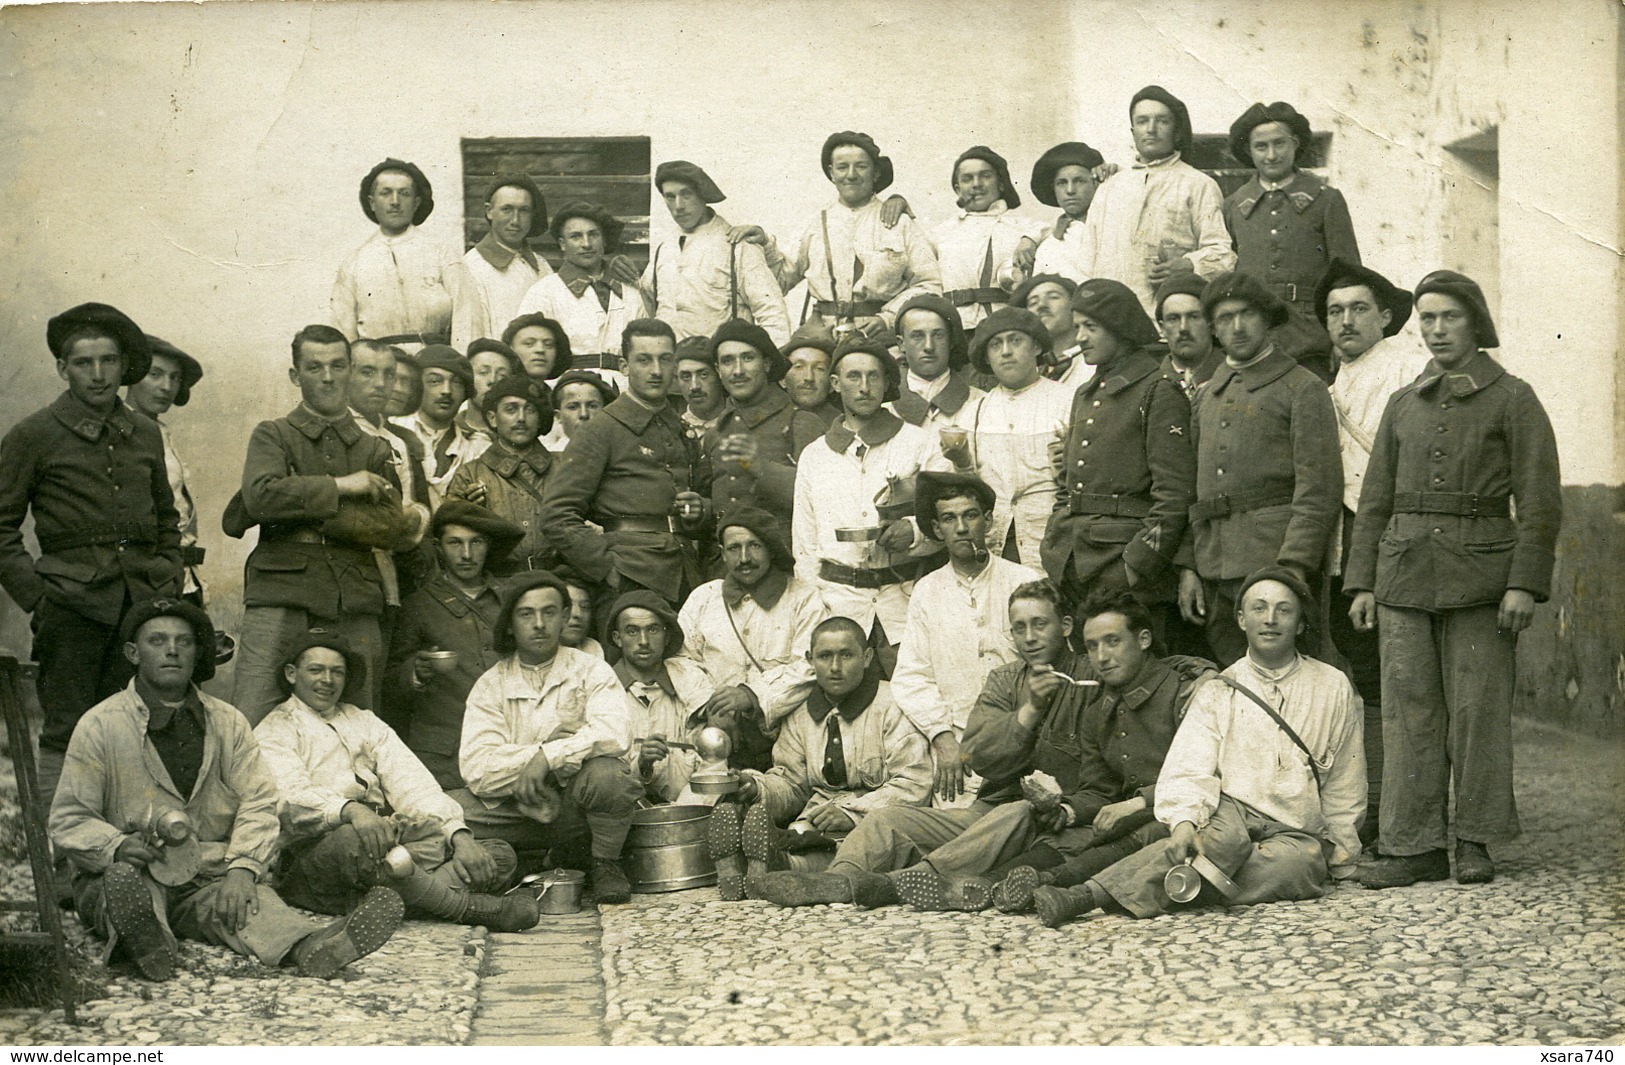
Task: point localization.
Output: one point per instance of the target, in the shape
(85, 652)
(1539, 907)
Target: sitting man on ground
(350, 791)
(665, 695)
(1265, 777)
(544, 736)
(162, 747)
(747, 629)
(847, 751)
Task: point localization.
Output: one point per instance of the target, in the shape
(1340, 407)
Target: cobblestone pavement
(1535, 957)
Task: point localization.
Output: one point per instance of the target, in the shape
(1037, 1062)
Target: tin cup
(1182, 883)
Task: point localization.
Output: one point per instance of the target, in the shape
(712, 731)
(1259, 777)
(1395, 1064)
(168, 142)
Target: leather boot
(355, 935)
(1056, 906)
(1014, 894)
(431, 896)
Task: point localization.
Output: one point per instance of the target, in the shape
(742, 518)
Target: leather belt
(1290, 292)
(306, 536)
(415, 338)
(1462, 504)
(644, 523)
(1109, 506)
(139, 533)
(1224, 505)
(849, 308)
(854, 577)
(964, 297)
(602, 361)
(192, 556)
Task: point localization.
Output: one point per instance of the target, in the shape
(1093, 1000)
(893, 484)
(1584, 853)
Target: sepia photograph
(920, 523)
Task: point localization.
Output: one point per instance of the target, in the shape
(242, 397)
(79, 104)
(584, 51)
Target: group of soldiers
(1036, 561)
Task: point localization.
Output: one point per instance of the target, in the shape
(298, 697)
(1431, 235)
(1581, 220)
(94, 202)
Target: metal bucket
(667, 849)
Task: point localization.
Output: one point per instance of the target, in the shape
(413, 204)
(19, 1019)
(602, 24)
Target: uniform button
(1083, 443)
(1088, 421)
(1080, 462)
(1097, 402)
(1224, 423)
(1221, 471)
(1122, 735)
(1438, 532)
(1438, 480)
(1124, 757)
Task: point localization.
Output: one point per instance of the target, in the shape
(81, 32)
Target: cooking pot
(667, 850)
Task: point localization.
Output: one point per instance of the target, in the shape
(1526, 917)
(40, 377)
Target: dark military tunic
(1285, 238)
(1129, 475)
(514, 482)
(781, 430)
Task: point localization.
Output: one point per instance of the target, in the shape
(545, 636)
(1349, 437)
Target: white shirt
(1139, 208)
(394, 286)
(1064, 255)
(1227, 744)
(667, 713)
(1360, 395)
(763, 648)
(463, 449)
(573, 710)
(964, 244)
(190, 581)
(898, 263)
(322, 761)
(487, 296)
(935, 418)
(1010, 439)
(692, 280)
(592, 329)
(958, 632)
(837, 491)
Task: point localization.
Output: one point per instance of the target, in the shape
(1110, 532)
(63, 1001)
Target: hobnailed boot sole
(722, 839)
(1014, 894)
(759, 839)
(924, 889)
(130, 912)
(353, 936)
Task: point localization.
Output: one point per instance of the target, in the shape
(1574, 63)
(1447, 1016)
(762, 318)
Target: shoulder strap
(726, 609)
(654, 278)
(733, 281)
(829, 258)
(1279, 720)
(1360, 437)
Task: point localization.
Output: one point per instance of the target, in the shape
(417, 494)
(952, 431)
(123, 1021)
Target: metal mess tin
(557, 891)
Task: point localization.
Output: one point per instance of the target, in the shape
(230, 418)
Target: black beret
(1018, 297)
(1115, 306)
(586, 377)
(1004, 320)
(696, 349)
(743, 332)
(958, 342)
(503, 534)
(644, 599)
(607, 223)
(813, 333)
(1241, 130)
(931, 486)
(445, 357)
(1182, 115)
(681, 170)
(486, 344)
(355, 663)
(191, 369)
(202, 629)
(1007, 188)
(425, 190)
(1465, 289)
(1306, 599)
(876, 347)
(132, 342)
(1393, 299)
(1187, 284)
(883, 167)
(533, 392)
(538, 205)
(1067, 153)
(1239, 286)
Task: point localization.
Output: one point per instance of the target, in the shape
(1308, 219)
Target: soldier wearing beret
(510, 476)
(447, 382)
(592, 294)
(489, 361)
(1128, 472)
(702, 279)
(761, 434)
(325, 497)
(1050, 297)
(1268, 475)
(698, 384)
(169, 383)
(1192, 353)
(809, 350)
(1287, 224)
(937, 392)
(396, 287)
(1067, 176)
(1454, 544)
(456, 611)
(496, 272)
(92, 473)
(633, 473)
(984, 250)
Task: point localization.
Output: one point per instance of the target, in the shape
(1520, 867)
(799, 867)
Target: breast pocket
(868, 775)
